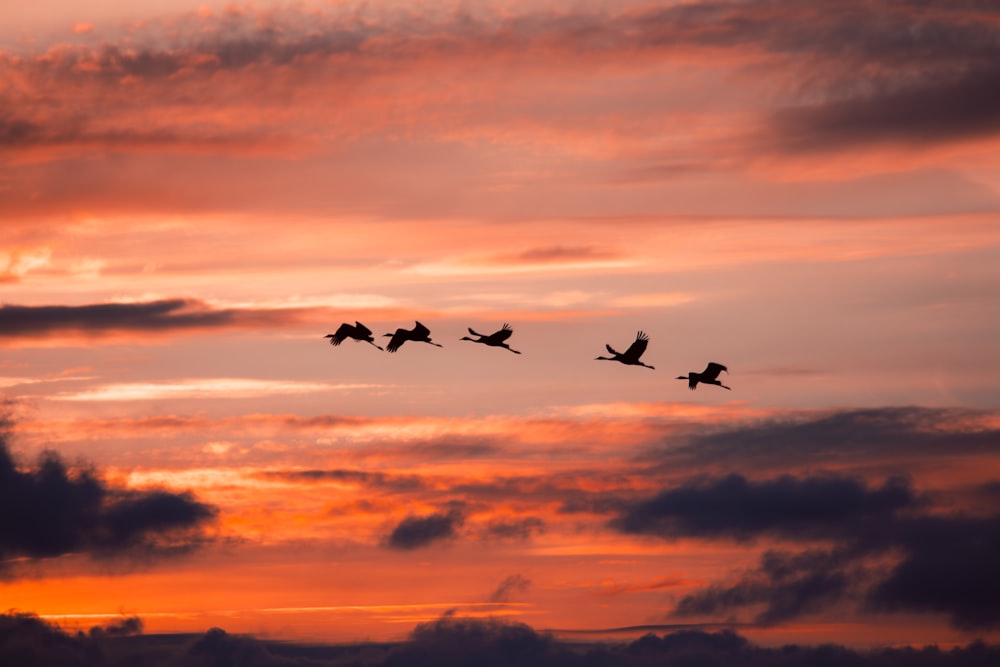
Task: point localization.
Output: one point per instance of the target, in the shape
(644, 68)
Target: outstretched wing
(397, 340)
(636, 349)
(420, 331)
(502, 335)
(612, 350)
(362, 329)
(712, 371)
(343, 333)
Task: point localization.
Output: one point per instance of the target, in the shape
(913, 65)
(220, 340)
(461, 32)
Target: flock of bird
(421, 334)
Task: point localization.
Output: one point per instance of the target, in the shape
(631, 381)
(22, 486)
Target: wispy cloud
(204, 388)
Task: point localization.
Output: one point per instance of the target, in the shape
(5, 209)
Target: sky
(194, 194)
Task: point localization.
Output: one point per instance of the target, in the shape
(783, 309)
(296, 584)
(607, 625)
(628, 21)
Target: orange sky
(193, 194)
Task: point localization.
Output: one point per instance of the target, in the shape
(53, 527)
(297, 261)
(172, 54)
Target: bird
(358, 332)
(632, 354)
(419, 333)
(708, 376)
(495, 339)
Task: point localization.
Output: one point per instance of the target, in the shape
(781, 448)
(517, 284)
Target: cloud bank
(451, 642)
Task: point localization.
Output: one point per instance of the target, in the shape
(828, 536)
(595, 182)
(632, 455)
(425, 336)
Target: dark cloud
(785, 585)
(150, 316)
(125, 627)
(925, 112)
(865, 436)
(415, 532)
(949, 566)
(51, 511)
(511, 585)
(26, 641)
(943, 562)
(943, 565)
(376, 480)
(988, 497)
(458, 641)
(734, 507)
(453, 447)
(23, 133)
(520, 528)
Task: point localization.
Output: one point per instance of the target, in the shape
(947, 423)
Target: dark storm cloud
(734, 507)
(149, 316)
(943, 562)
(52, 511)
(451, 642)
(849, 435)
(415, 532)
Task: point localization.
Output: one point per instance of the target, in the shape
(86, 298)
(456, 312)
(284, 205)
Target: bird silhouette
(419, 333)
(358, 332)
(631, 356)
(708, 376)
(495, 339)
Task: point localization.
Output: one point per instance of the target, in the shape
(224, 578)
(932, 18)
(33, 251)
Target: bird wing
(343, 332)
(712, 371)
(475, 333)
(398, 338)
(613, 350)
(636, 349)
(362, 329)
(420, 331)
(502, 335)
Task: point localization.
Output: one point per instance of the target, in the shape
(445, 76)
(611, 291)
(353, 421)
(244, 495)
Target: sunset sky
(194, 193)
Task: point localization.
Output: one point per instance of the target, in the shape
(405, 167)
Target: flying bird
(419, 333)
(495, 339)
(632, 354)
(358, 332)
(708, 376)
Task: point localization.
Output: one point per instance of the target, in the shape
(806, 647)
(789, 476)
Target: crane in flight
(495, 339)
(419, 333)
(631, 356)
(708, 376)
(357, 331)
